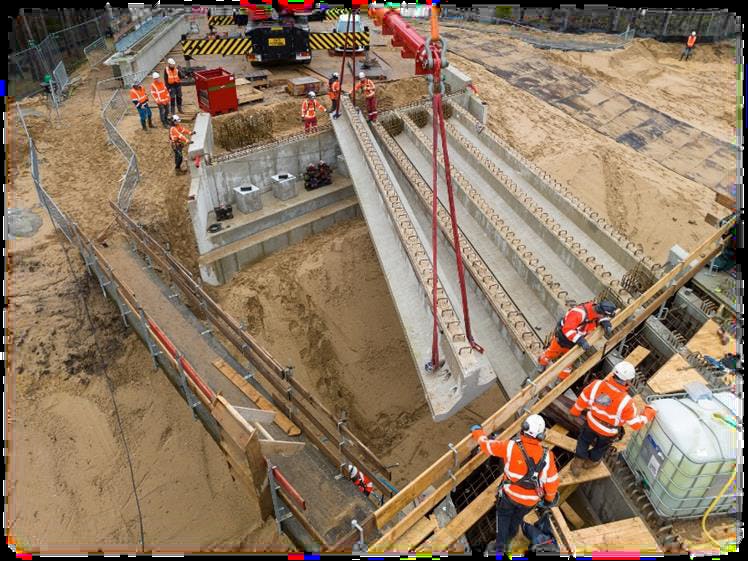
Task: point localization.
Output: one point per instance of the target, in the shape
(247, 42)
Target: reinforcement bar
(290, 394)
(544, 222)
(507, 419)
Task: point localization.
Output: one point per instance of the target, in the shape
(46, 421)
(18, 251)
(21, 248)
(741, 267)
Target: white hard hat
(155, 75)
(351, 470)
(361, 75)
(171, 61)
(335, 75)
(534, 426)
(624, 371)
(693, 33)
(175, 118)
(312, 94)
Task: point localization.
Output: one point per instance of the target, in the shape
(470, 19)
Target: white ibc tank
(687, 455)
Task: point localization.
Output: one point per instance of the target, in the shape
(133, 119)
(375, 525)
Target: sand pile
(324, 307)
(652, 205)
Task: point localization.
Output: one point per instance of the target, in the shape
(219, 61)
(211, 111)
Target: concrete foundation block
(323, 224)
(248, 198)
(275, 244)
(285, 186)
(249, 255)
(300, 233)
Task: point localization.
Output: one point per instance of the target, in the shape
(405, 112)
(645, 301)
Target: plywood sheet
(673, 376)
(631, 534)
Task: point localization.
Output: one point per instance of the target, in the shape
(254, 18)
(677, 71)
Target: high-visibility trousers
(555, 351)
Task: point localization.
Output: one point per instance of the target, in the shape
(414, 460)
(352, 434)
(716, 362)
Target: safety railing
(111, 115)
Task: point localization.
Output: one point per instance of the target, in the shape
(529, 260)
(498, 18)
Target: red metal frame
(288, 488)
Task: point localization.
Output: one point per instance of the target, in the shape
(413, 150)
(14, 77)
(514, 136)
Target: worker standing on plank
(174, 77)
(309, 109)
(160, 95)
(180, 137)
(334, 93)
(609, 407)
(370, 94)
(572, 329)
(690, 42)
(139, 98)
(363, 483)
(530, 476)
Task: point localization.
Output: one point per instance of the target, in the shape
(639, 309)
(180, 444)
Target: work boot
(179, 109)
(142, 124)
(576, 466)
(589, 464)
(150, 123)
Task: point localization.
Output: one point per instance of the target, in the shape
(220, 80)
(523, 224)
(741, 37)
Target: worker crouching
(609, 408)
(362, 482)
(309, 108)
(179, 136)
(572, 329)
(530, 476)
(370, 93)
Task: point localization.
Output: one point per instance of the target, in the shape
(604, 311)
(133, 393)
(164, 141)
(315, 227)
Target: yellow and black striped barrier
(323, 41)
(221, 20)
(335, 13)
(238, 46)
(243, 45)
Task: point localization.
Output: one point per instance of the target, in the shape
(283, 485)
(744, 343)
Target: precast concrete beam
(528, 265)
(624, 251)
(407, 268)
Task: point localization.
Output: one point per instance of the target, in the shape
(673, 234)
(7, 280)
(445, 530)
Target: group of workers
(530, 475)
(530, 478)
(310, 106)
(168, 98)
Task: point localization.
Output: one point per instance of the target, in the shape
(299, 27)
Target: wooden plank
(411, 539)
(711, 220)
(631, 534)
(668, 284)
(556, 437)
(571, 514)
(255, 415)
(239, 430)
(673, 376)
(280, 447)
(636, 356)
(725, 200)
(563, 535)
(247, 389)
(707, 341)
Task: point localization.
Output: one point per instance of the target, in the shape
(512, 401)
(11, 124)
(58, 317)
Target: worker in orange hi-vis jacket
(370, 91)
(609, 408)
(360, 480)
(530, 476)
(179, 135)
(690, 42)
(571, 330)
(309, 108)
(139, 98)
(160, 95)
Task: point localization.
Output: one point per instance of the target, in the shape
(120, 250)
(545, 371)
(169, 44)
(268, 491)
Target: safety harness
(531, 479)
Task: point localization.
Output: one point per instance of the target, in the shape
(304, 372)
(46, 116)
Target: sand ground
(322, 305)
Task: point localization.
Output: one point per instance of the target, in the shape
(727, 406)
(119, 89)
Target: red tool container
(216, 91)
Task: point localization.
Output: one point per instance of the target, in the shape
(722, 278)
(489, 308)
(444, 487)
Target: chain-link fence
(97, 52)
(59, 218)
(111, 115)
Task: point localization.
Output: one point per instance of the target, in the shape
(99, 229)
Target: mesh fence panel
(112, 113)
(59, 219)
(61, 76)
(26, 70)
(97, 52)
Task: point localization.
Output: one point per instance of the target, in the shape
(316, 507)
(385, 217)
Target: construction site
(284, 278)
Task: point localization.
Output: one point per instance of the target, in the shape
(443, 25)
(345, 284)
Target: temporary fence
(60, 76)
(123, 81)
(27, 68)
(111, 115)
(97, 52)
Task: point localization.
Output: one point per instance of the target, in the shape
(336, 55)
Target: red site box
(216, 91)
